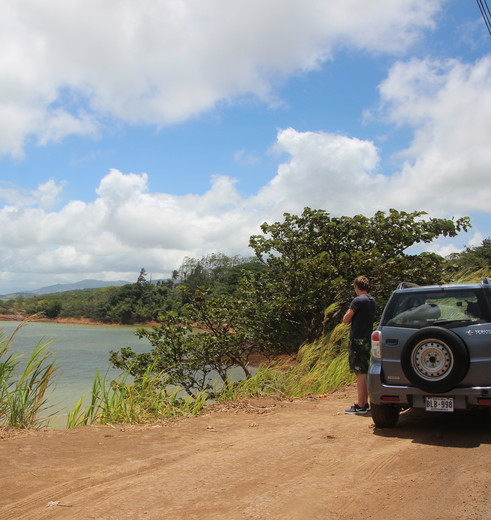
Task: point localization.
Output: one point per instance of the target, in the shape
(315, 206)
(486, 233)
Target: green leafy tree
(142, 281)
(53, 309)
(194, 347)
(217, 272)
(308, 262)
(313, 258)
(472, 258)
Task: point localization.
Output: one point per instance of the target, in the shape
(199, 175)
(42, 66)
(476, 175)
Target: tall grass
(320, 367)
(471, 275)
(145, 399)
(24, 388)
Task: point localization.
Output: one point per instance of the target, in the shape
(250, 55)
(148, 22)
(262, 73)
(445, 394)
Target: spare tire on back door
(435, 359)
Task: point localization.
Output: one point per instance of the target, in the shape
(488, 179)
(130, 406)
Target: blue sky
(136, 135)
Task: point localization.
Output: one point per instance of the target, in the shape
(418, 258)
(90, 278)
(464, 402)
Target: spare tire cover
(435, 359)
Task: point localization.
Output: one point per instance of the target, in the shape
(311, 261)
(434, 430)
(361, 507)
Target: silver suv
(432, 350)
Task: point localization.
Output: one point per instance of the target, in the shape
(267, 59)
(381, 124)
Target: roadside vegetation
(318, 368)
(308, 263)
(126, 401)
(25, 385)
(283, 305)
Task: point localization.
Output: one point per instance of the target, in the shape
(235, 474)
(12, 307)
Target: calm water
(79, 351)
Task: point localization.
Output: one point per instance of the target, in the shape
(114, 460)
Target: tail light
(376, 338)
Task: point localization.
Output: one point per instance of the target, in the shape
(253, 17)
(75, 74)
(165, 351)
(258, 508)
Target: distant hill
(64, 287)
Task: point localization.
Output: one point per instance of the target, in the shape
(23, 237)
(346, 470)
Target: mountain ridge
(64, 287)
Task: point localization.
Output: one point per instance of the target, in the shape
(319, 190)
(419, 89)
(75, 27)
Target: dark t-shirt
(362, 321)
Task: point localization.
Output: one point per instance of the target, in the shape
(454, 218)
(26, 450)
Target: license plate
(439, 404)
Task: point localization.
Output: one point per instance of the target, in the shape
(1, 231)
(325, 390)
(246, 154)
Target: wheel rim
(432, 360)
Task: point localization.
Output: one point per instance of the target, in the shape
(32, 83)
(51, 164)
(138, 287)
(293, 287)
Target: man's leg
(362, 389)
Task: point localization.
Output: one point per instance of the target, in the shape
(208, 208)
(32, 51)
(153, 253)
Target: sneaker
(357, 410)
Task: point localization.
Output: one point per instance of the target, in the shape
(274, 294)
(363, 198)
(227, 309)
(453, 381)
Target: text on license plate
(439, 404)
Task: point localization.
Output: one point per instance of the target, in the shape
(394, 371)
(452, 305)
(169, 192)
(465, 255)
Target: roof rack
(407, 285)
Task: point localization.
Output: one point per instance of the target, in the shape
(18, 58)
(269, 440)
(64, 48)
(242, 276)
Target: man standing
(360, 315)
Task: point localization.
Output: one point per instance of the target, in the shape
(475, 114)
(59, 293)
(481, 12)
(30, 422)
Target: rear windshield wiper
(460, 320)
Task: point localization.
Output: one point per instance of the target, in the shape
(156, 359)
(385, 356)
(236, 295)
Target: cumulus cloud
(45, 195)
(123, 228)
(126, 226)
(69, 66)
(446, 168)
(323, 170)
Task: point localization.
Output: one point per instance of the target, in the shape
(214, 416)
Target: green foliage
(272, 304)
(9, 307)
(24, 390)
(473, 258)
(307, 261)
(321, 367)
(142, 301)
(195, 347)
(312, 259)
(132, 303)
(145, 399)
(53, 309)
(470, 275)
(218, 273)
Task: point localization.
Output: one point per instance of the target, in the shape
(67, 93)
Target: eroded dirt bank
(263, 460)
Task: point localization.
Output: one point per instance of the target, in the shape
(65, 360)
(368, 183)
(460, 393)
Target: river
(79, 351)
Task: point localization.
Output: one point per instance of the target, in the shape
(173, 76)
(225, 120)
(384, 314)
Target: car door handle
(392, 342)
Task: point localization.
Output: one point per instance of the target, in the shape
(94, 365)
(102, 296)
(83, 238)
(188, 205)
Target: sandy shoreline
(69, 321)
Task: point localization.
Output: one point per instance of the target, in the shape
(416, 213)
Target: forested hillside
(142, 301)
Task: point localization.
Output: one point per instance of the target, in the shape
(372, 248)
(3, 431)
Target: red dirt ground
(258, 460)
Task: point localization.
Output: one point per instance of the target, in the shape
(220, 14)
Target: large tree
(313, 258)
(195, 347)
(217, 272)
(308, 263)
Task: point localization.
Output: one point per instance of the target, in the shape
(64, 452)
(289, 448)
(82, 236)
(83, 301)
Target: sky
(136, 134)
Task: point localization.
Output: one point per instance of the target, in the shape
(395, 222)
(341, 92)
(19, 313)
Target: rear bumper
(407, 396)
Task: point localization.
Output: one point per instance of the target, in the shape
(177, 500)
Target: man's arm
(348, 316)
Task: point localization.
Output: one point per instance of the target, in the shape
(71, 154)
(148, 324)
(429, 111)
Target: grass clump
(144, 399)
(320, 367)
(471, 275)
(24, 387)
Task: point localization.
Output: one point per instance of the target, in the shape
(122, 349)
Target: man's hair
(362, 283)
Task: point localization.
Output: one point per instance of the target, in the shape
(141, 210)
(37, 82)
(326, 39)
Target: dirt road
(264, 460)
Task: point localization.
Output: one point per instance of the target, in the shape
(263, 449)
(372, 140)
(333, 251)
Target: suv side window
(421, 309)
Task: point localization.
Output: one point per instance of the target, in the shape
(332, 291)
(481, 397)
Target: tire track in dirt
(90, 486)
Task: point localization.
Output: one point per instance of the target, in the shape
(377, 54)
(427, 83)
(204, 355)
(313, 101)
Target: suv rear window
(420, 309)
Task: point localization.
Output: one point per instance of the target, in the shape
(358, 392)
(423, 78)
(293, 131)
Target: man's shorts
(359, 355)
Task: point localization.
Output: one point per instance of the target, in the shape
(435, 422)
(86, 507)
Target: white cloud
(245, 157)
(127, 227)
(45, 196)
(476, 240)
(447, 166)
(68, 66)
(123, 229)
(50, 90)
(327, 171)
